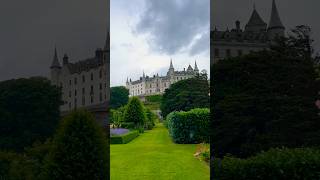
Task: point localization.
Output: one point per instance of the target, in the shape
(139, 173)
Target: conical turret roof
(255, 19)
(55, 62)
(275, 20)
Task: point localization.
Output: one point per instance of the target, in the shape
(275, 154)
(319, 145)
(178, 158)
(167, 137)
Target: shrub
(79, 149)
(154, 98)
(293, 164)
(189, 127)
(135, 112)
(125, 138)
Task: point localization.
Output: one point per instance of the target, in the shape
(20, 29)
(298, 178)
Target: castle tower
(196, 70)
(55, 69)
(255, 23)
(276, 27)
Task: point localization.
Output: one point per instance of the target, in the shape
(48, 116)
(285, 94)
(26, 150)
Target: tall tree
(186, 95)
(263, 100)
(29, 111)
(119, 97)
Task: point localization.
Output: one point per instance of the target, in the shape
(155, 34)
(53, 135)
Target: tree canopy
(185, 95)
(29, 112)
(265, 99)
(119, 97)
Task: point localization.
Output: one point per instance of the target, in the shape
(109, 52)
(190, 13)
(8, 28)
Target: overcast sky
(292, 13)
(30, 29)
(145, 34)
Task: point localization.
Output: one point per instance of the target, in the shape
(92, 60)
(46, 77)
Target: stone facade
(256, 36)
(84, 84)
(146, 85)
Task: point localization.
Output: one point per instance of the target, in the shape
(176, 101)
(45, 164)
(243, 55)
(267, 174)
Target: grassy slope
(154, 156)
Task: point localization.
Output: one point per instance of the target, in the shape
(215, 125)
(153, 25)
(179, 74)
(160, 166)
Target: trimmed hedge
(189, 127)
(293, 164)
(125, 138)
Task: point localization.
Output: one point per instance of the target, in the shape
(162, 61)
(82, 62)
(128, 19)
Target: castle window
(61, 84)
(75, 92)
(228, 52)
(91, 76)
(100, 96)
(83, 78)
(216, 53)
(100, 74)
(75, 80)
(100, 86)
(69, 93)
(83, 91)
(70, 81)
(75, 103)
(91, 90)
(239, 52)
(91, 99)
(69, 105)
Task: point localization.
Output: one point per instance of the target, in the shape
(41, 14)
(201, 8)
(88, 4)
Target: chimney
(65, 59)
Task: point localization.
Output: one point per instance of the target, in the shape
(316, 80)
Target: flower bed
(118, 131)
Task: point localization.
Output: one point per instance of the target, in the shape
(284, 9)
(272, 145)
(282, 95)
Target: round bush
(135, 112)
(79, 150)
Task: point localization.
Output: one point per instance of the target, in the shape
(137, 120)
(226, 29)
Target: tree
(264, 100)
(29, 111)
(186, 95)
(79, 149)
(119, 96)
(135, 112)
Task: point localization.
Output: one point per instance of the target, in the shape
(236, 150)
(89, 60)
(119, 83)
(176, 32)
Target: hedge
(125, 138)
(189, 127)
(293, 164)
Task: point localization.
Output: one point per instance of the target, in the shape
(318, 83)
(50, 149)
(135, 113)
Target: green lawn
(154, 156)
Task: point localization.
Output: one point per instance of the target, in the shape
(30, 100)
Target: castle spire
(195, 66)
(55, 62)
(171, 65)
(275, 21)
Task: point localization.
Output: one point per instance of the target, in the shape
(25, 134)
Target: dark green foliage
(29, 111)
(189, 127)
(150, 119)
(264, 100)
(79, 149)
(27, 165)
(128, 125)
(124, 139)
(154, 98)
(119, 96)
(276, 164)
(135, 112)
(186, 95)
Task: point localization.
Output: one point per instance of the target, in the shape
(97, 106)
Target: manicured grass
(154, 156)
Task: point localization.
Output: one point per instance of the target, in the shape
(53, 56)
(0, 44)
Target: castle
(84, 84)
(256, 36)
(147, 86)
